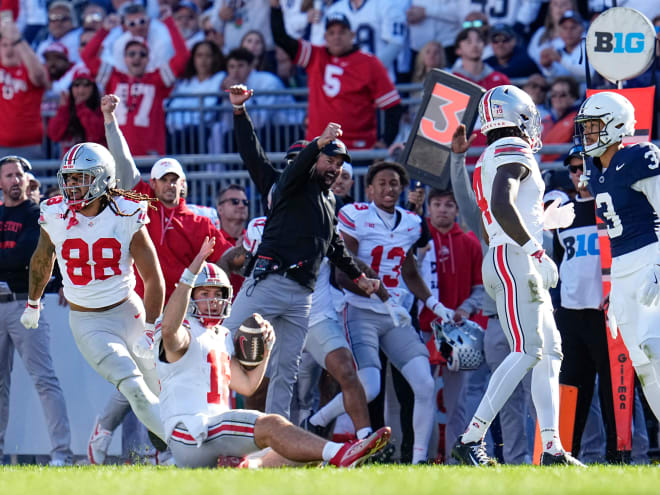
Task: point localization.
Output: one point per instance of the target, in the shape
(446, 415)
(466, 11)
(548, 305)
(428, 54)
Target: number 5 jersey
(93, 254)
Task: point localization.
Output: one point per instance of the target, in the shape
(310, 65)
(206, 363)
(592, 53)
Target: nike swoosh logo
(242, 342)
(136, 316)
(620, 166)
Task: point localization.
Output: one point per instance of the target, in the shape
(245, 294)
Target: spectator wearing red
(78, 118)
(23, 80)
(140, 114)
(57, 64)
(345, 84)
(232, 207)
(558, 125)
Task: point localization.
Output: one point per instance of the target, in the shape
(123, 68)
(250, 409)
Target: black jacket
(300, 229)
(19, 234)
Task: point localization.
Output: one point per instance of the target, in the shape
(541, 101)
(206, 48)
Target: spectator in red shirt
(78, 118)
(558, 126)
(344, 82)
(23, 80)
(140, 114)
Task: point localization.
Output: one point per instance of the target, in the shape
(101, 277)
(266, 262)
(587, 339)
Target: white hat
(347, 167)
(167, 166)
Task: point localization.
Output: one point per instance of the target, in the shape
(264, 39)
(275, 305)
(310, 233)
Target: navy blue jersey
(631, 220)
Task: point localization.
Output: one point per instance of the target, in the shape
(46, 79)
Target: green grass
(382, 480)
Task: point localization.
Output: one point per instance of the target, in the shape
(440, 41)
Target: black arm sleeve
(341, 258)
(280, 36)
(261, 170)
(392, 118)
(297, 172)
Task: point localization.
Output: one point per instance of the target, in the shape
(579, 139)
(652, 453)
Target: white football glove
(30, 317)
(269, 335)
(144, 346)
(611, 319)
(543, 264)
(558, 217)
(400, 317)
(649, 293)
(442, 312)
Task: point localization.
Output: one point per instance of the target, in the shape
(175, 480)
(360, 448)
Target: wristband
(430, 302)
(19, 40)
(150, 327)
(238, 108)
(360, 277)
(187, 278)
(531, 247)
(31, 303)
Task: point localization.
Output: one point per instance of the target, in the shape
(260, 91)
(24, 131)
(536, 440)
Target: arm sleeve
(474, 302)
(341, 258)
(297, 172)
(26, 243)
(463, 193)
(392, 119)
(261, 170)
(58, 124)
(127, 172)
(280, 36)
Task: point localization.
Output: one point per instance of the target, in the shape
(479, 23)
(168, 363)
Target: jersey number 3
(614, 227)
(83, 268)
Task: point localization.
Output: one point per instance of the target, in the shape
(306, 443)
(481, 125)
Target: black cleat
(562, 459)
(158, 444)
(321, 431)
(472, 453)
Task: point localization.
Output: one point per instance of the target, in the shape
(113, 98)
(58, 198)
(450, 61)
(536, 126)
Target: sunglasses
(136, 53)
(473, 24)
(136, 22)
(95, 17)
(59, 18)
(575, 168)
(235, 201)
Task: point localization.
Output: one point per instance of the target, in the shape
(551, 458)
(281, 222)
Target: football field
(381, 480)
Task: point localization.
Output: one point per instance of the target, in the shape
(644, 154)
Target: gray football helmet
(466, 340)
(509, 106)
(212, 276)
(97, 166)
(617, 114)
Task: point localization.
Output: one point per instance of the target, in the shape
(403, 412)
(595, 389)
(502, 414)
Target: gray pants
(286, 304)
(34, 348)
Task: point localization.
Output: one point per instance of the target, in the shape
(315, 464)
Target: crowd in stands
(172, 62)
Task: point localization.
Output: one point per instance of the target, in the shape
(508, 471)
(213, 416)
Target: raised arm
(181, 53)
(127, 172)
(460, 181)
(35, 69)
(91, 54)
(280, 37)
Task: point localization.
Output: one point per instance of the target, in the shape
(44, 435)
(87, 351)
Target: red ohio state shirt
(20, 100)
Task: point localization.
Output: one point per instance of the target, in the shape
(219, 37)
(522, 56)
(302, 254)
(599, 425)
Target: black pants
(584, 344)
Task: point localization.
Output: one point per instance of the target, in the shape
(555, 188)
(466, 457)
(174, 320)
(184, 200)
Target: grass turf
(381, 480)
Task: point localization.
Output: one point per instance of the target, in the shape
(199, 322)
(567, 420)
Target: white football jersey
(375, 24)
(381, 247)
(93, 254)
(324, 295)
(196, 387)
(530, 194)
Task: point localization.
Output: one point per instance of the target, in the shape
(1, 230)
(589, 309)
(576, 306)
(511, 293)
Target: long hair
(549, 24)
(260, 63)
(420, 69)
(503, 132)
(218, 59)
(75, 129)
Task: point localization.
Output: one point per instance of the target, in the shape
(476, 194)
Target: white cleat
(99, 442)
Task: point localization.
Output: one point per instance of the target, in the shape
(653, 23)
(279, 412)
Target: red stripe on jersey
(344, 219)
(231, 428)
(510, 299)
(183, 436)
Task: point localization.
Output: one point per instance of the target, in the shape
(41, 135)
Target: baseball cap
(573, 152)
(57, 47)
(187, 4)
(295, 148)
(68, 6)
(82, 73)
(136, 39)
(336, 148)
(337, 18)
(504, 29)
(571, 14)
(347, 167)
(167, 166)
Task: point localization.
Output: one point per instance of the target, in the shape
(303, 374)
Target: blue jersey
(630, 218)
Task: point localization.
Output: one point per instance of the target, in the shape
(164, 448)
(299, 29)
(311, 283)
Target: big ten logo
(607, 42)
(581, 245)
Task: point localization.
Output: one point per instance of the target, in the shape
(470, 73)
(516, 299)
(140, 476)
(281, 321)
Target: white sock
(551, 442)
(330, 450)
(502, 383)
(363, 433)
(417, 373)
(545, 394)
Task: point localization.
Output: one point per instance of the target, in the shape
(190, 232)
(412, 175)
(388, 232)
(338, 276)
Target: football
(249, 344)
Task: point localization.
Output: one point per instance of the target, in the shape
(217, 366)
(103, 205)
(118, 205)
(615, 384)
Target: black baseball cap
(504, 29)
(572, 153)
(337, 148)
(295, 148)
(337, 18)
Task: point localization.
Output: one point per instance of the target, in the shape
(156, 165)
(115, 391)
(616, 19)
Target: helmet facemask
(602, 137)
(92, 178)
(211, 309)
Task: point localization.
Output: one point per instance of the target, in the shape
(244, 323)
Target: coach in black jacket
(299, 232)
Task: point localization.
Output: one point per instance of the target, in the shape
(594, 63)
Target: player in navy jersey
(626, 185)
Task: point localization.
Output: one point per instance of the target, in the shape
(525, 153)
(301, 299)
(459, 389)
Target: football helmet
(466, 340)
(508, 106)
(212, 276)
(618, 117)
(97, 167)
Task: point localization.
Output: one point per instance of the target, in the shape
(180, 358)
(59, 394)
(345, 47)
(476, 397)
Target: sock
(419, 455)
(330, 450)
(417, 373)
(545, 394)
(475, 430)
(551, 441)
(363, 433)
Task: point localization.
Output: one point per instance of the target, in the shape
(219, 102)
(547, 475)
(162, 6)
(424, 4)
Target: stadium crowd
(202, 76)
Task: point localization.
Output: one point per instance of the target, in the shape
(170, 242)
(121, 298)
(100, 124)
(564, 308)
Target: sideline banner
(448, 101)
(623, 375)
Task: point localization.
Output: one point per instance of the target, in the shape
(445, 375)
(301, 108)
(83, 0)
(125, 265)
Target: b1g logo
(619, 42)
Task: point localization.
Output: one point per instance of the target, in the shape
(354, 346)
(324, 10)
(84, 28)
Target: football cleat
(472, 453)
(230, 461)
(563, 458)
(98, 445)
(353, 454)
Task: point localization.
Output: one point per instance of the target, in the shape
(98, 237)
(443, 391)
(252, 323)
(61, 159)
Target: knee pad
(651, 348)
(370, 379)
